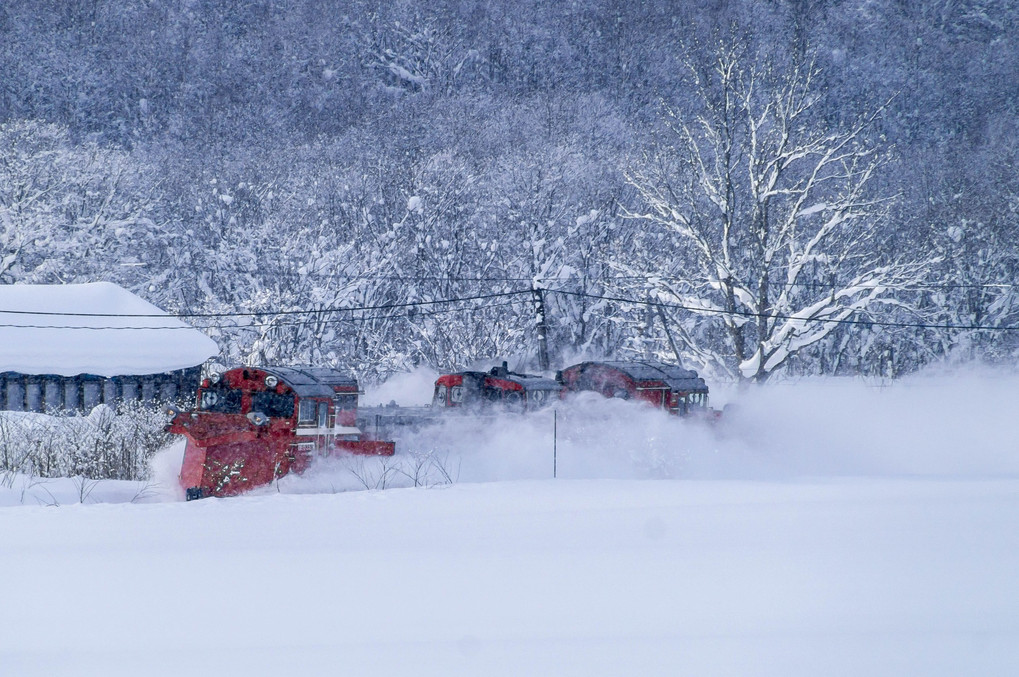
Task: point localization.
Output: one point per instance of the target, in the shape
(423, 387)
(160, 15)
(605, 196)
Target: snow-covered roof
(74, 329)
(645, 370)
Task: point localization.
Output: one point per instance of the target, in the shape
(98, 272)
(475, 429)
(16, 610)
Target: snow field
(826, 528)
(584, 577)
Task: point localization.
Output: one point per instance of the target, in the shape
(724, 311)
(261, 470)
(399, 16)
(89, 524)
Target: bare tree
(767, 212)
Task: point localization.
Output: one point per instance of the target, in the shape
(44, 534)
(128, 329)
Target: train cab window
(698, 399)
(537, 397)
(440, 396)
(273, 404)
(306, 413)
(221, 400)
(683, 404)
(456, 394)
(323, 415)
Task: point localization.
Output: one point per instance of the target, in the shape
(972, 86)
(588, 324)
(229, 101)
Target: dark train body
(253, 425)
(499, 387)
(670, 387)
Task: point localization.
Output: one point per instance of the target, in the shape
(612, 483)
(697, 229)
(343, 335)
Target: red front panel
(227, 453)
(657, 397)
(444, 395)
(503, 384)
(193, 467)
(230, 469)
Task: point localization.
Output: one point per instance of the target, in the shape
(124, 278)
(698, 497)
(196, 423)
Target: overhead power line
(642, 277)
(781, 316)
(411, 306)
(288, 323)
(312, 311)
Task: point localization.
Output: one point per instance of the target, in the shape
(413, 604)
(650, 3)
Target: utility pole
(645, 330)
(668, 333)
(539, 318)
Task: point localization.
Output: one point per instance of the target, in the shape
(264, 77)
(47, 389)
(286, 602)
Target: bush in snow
(104, 444)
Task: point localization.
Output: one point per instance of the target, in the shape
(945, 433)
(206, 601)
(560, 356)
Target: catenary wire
(293, 323)
(314, 311)
(606, 278)
(417, 304)
(779, 316)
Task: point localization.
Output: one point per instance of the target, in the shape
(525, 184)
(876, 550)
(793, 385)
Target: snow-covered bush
(104, 444)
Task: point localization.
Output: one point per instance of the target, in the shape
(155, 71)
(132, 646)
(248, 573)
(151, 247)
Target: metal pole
(555, 443)
(668, 333)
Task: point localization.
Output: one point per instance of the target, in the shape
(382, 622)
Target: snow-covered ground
(827, 528)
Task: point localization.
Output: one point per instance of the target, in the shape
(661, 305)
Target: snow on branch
(777, 211)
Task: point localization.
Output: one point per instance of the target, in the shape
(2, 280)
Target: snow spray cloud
(931, 424)
(943, 425)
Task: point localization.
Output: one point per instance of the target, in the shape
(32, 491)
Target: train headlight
(271, 381)
(258, 418)
(214, 377)
(171, 412)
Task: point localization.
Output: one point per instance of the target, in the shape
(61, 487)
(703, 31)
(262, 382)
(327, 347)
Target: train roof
(675, 376)
(313, 381)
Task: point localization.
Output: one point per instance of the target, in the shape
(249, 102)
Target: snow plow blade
(227, 458)
(232, 469)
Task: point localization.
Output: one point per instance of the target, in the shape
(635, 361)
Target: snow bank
(826, 528)
(585, 578)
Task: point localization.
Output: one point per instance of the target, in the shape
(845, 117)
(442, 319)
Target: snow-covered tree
(367, 154)
(72, 212)
(776, 236)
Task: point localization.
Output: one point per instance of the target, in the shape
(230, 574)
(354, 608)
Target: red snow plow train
(253, 425)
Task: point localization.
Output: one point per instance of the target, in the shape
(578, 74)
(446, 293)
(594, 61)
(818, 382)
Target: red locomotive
(473, 390)
(252, 426)
(665, 386)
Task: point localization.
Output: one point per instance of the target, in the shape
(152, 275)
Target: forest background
(759, 187)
